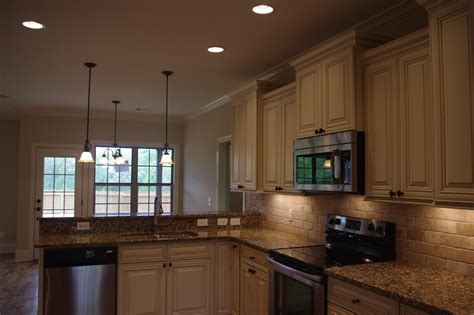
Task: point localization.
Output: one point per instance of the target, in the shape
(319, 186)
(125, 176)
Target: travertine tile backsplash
(442, 238)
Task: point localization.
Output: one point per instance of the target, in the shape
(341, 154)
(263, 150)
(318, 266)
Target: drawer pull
(355, 301)
(252, 257)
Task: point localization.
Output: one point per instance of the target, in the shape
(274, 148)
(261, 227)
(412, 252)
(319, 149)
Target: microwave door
(336, 167)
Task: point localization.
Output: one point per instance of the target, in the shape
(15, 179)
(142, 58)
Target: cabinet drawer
(407, 310)
(359, 300)
(254, 256)
(141, 253)
(188, 251)
(334, 309)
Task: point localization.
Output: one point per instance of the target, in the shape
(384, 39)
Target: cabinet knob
(316, 132)
(240, 186)
(170, 264)
(355, 301)
(391, 193)
(400, 193)
(280, 188)
(164, 265)
(321, 130)
(276, 188)
(234, 246)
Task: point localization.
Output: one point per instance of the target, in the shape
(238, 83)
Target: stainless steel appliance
(332, 162)
(297, 279)
(80, 281)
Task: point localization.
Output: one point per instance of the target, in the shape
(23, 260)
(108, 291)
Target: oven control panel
(358, 226)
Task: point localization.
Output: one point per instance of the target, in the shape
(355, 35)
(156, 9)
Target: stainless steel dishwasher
(80, 281)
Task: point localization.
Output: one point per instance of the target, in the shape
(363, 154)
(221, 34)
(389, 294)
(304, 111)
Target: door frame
(32, 188)
(221, 141)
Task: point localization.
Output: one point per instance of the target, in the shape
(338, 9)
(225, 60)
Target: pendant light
(86, 156)
(117, 155)
(166, 157)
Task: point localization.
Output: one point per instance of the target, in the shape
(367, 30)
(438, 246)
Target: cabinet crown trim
(254, 86)
(285, 90)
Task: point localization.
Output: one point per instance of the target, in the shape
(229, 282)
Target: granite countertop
(430, 290)
(259, 238)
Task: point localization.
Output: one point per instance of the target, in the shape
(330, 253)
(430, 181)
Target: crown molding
(209, 107)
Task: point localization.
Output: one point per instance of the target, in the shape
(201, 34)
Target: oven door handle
(305, 275)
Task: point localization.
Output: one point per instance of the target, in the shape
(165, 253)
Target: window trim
(176, 173)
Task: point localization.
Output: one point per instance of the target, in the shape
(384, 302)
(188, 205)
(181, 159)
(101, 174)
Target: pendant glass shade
(119, 160)
(327, 163)
(166, 158)
(104, 160)
(86, 157)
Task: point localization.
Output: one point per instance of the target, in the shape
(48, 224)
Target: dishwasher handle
(80, 256)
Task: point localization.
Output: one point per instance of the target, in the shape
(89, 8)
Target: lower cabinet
(227, 261)
(253, 282)
(166, 286)
(347, 299)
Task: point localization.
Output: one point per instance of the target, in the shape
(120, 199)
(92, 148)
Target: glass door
(293, 297)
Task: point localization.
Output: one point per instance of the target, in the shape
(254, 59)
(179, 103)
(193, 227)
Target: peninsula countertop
(430, 290)
(259, 238)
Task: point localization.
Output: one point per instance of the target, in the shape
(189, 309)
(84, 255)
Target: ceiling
(133, 41)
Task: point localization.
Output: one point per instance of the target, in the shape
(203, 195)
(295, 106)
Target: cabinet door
(189, 287)
(339, 100)
(380, 88)
(248, 291)
(236, 147)
(261, 283)
(416, 127)
(289, 135)
(334, 309)
(227, 276)
(272, 145)
(249, 125)
(453, 100)
(141, 289)
(309, 100)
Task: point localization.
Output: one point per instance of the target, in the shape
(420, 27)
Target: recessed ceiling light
(262, 9)
(33, 25)
(215, 49)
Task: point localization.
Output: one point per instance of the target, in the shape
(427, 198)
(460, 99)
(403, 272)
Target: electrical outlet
(209, 201)
(202, 222)
(235, 221)
(83, 226)
(222, 221)
(2, 235)
(290, 215)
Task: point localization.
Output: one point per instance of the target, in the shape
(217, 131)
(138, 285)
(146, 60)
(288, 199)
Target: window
(131, 188)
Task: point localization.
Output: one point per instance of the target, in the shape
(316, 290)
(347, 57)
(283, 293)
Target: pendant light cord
(166, 121)
(88, 106)
(115, 125)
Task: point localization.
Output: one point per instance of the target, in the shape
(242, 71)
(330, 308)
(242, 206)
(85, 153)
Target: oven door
(293, 292)
(328, 168)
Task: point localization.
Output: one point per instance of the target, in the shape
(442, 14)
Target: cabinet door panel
(453, 100)
(339, 98)
(142, 289)
(248, 291)
(227, 276)
(262, 292)
(380, 87)
(236, 147)
(189, 287)
(289, 135)
(309, 99)
(416, 149)
(272, 145)
(249, 124)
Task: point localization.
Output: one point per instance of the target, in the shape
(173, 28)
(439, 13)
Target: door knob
(38, 200)
(38, 208)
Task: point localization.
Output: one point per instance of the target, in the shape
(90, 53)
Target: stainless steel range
(297, 280)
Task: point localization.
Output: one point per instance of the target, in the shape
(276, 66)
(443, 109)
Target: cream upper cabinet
(399, 115)
(227, 278)
(190, 287)
(141, 289)
(246, 136)
(453, 98)
(279, 132)
(329, 98)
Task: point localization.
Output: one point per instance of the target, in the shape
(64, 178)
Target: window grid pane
(59, 187)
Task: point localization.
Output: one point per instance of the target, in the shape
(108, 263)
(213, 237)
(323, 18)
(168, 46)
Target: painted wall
(9, 131)
(62, 130)
(441, 238)
(199, 152)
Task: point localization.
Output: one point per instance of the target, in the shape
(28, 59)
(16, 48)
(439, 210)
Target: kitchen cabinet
(246, 120)
(328, 89)
(399, 116)
(227, 269)
(348, 299)
(451, 49)
(253, 282)
(174, 279)
(279, 132)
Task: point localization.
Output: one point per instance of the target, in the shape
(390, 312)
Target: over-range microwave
(331, 162)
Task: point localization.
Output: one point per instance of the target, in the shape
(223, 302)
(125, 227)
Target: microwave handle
(336, 166)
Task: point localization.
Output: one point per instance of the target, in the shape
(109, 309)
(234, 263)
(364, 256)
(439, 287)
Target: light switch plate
(235, 221)
(202, 222)
(83, 226)
(222, 221)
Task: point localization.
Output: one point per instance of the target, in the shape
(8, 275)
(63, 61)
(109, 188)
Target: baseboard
(7, 248)
(24, 255)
